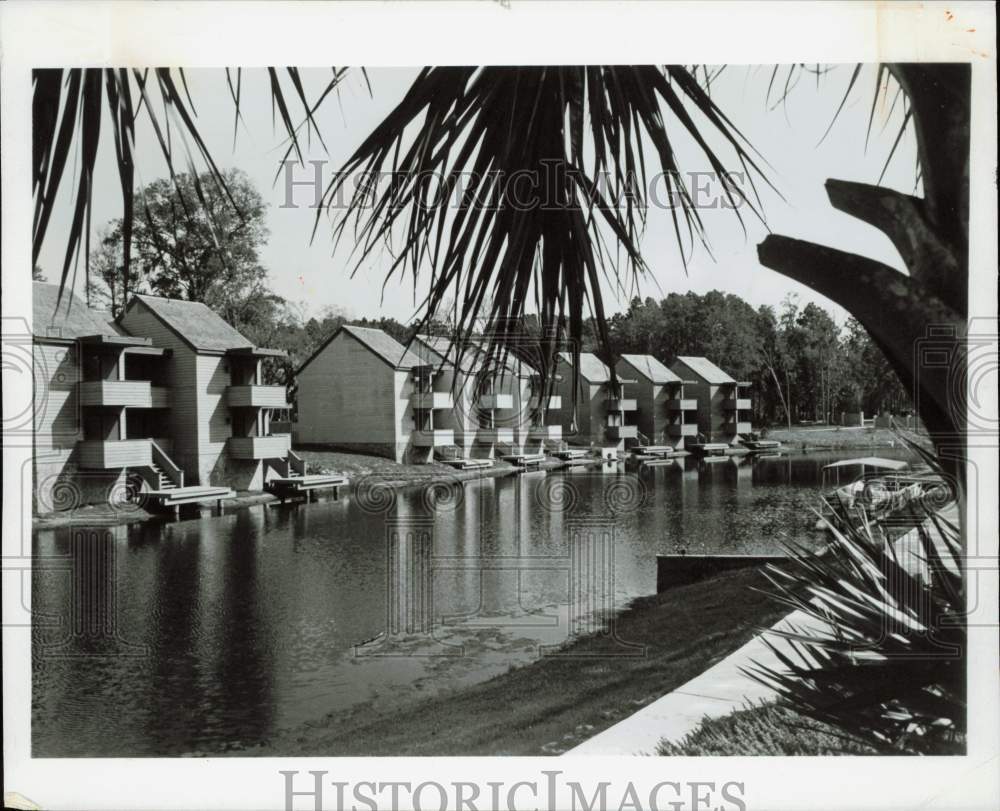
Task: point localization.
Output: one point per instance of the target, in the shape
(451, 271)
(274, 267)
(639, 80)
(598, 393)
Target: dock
(708, 448)
(290, 486)
(469, 464)
(525, 459)
(643, 452)
(173, 498)
(575, 456)
(761, 445)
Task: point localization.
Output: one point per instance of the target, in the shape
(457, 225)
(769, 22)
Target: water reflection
(202, 634)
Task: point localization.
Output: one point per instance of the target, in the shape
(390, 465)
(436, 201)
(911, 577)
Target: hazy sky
(787, 136)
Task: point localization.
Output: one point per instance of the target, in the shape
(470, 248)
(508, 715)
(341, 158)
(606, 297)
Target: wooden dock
(708, 448)
(643, 452)
(577, 455)
(175, 497)
(291, 486)
(525, 459)
(761, 445)
(469, 464)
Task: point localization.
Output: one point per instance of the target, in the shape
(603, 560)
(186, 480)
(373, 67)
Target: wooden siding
(181, 377)
(349, 396)
(57, 421)
(108, 455)
(130, 393)
(259, 447)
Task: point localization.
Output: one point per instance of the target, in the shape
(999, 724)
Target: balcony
(121, 393)
(257, 397)
(494, 435)
(259, 447)
(496, 401)
(432, 400)
(545, 432)
(550, 403)
(111, 454)
(433, 439)
(682, 405)
(617, 432)
(682, 429)
(621, 404)
(736, 404)
(741, 427)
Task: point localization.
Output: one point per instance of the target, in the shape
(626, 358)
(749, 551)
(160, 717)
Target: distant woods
(801, 364)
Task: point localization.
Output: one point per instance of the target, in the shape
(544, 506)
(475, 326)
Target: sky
(309, 273)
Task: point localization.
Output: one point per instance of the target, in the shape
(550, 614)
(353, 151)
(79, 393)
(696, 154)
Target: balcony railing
(111, 454)
(492, 435)
(259, 447)
(682, 405)
(621, 404)
(257, 397)
(545, 431)
(739, 427)
(622, 431)
(133, 393)
(432, 400)
(736, 403)
(552, 402)
(496, 401)
(433, 439)
(685, 429)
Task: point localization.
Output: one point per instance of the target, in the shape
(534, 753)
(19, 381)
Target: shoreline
(359, 468)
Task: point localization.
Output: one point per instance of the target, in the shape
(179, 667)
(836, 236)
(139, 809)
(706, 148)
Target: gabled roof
(70, 319)
(198, 325)
(650, 368)
(443, 348)
(378, 342)
(591, 368)
(706, 370)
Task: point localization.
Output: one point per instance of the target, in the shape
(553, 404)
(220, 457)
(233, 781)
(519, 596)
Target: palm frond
(508, 186)
(68, 106)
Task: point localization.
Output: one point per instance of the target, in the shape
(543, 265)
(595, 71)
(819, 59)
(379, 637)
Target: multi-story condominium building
(663, 414)
(602, 414)
(501, 407)
(170, 393)
(723, 415)
(362, 390)
(220, 413)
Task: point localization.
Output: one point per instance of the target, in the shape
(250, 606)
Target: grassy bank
(357, 467)
(559, 700)
(834, 438)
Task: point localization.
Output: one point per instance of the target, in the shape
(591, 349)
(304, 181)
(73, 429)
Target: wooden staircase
(160, 478)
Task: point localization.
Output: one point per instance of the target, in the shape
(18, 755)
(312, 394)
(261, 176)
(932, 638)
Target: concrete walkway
(718, 691)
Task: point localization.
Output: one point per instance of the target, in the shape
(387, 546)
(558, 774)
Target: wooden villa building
(169, 393)
(664, 416)
(723, 407)
(602, 416)
(364, 391)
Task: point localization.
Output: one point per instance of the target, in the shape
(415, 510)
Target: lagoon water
(217, 633)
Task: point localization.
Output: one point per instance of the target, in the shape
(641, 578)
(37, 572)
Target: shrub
(766, 729)
(883, 656)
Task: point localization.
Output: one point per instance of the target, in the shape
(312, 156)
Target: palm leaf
(578, 134)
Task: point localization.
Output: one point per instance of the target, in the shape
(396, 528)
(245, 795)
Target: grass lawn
(835, 438)
(559, 700)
